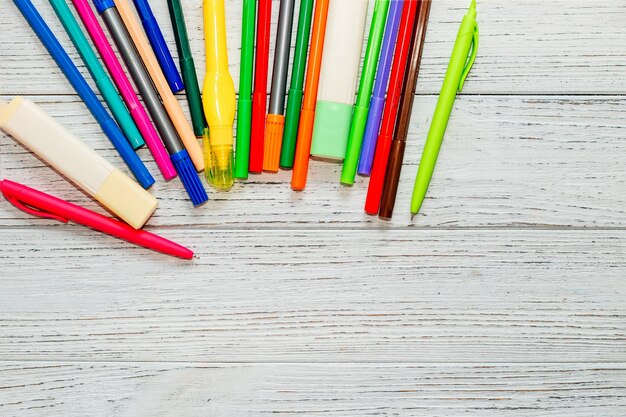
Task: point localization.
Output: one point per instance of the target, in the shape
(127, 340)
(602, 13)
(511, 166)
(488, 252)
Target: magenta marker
(138, 113)
(377, 102)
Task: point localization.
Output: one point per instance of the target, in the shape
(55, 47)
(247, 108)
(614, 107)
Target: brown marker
(396, 154)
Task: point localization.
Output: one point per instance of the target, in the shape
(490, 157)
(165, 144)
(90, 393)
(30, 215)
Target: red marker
(383, 144)
(44, 205)
(259, 95)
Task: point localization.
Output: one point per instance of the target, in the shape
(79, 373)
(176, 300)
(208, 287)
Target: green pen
(244, 105)
(294, 98)
(100, 77)
(187, 67)
(463, 56)
(359, 117)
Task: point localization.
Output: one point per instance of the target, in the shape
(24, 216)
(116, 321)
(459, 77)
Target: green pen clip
(470, 60)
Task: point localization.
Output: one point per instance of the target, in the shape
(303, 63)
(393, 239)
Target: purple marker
(377, 102)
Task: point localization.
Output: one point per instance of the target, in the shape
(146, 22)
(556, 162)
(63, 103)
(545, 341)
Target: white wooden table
(506, 296)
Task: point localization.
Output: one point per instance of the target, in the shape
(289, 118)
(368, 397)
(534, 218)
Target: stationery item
(377, 102)
(46, 206)
(100, 77)
(307, 114)
(137, 111)
(294, 97)
(381, 156)
(50, 141)
(163, 55)
(338, 78)
(219, 98)
(361, 109)
(244, 105)
(85, 92)
(259, 95)
(461, 61)
(175, 112)
(178, 155)
(396, 153)
(275, 121)
(187, 67)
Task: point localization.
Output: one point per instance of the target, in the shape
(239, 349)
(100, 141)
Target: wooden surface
(506, 296)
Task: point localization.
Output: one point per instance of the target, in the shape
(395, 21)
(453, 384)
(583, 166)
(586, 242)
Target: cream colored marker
(80, 164)
(169, 100)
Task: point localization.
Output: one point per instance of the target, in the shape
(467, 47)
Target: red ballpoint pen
(259, 95)
(44, 205)
(383, 144)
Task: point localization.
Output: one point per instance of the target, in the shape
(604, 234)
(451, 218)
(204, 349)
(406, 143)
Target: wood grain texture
(302, 296)
(407, 389)
(527, 47)
(507, 161)
(505, 297)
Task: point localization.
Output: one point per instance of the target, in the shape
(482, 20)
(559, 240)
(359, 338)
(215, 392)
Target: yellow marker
(218, 99)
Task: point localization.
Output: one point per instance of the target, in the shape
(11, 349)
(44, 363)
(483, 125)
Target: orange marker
(307, 116)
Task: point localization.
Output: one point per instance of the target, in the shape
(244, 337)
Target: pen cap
(189, 177)
(102, 5)
(331, 129)
(80, 164)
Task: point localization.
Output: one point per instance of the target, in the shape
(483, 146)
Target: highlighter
(219, 99)
(175, 112)
(338, 78)
(50, 141)
(163, 55)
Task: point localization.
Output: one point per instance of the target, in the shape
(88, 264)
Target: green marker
(187, 67)
(294, 98)
(244, 106)
(463, 56)
(102, 80)
(359, 118)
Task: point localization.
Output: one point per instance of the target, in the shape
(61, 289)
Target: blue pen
(377, 102)
(159, 46)
(85, 92)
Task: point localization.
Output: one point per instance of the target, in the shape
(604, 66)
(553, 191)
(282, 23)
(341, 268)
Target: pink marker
(138, 113)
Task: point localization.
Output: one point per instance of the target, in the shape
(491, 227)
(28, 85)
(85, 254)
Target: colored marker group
(313, 115)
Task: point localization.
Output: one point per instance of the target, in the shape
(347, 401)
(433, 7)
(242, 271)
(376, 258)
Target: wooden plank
(527, 47)
(236, 390)
(301, 296)
(506, 161)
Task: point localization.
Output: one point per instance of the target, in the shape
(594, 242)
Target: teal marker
(102, 80)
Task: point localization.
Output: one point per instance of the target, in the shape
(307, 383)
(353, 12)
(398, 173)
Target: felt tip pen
(137, 111)
(77, 162)
(178, 155)
(171, 104)
(163, 55)
(390, 112)
(372, 127)
(275, 122)
(259, 95)
(307, 114)
(294, 97)
(244, 104)
(361, 108)
(99, 75)
(398, 144)
(85, 92)
(461, 61)
(338, 78)
(219, 98)
(187, 67)
(39, 204)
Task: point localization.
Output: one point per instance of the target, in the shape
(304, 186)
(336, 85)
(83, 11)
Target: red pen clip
(11, 198)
